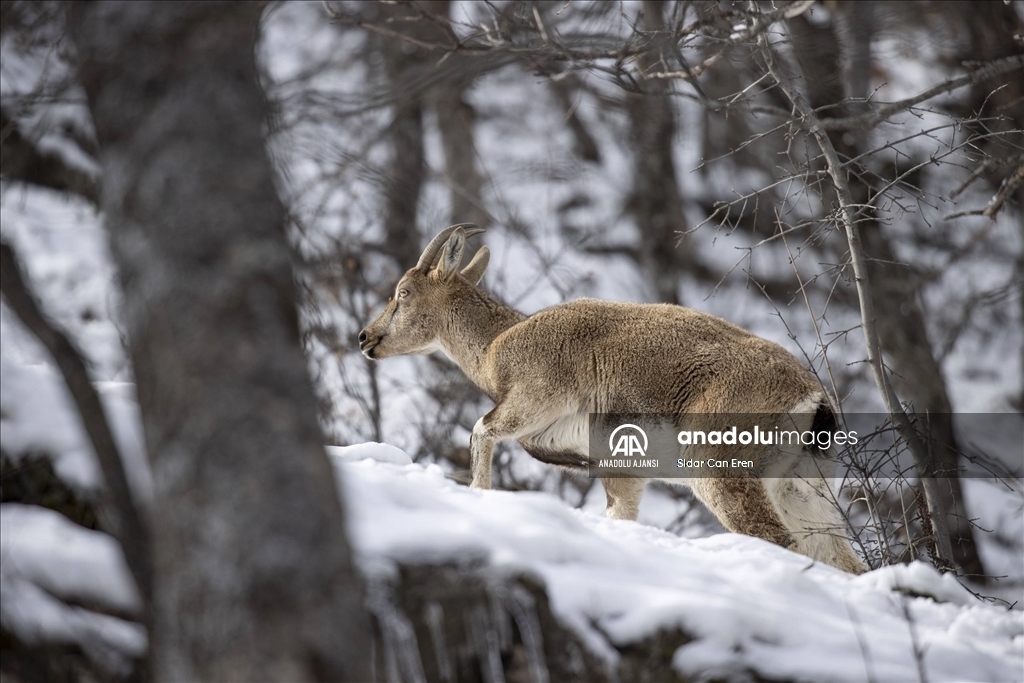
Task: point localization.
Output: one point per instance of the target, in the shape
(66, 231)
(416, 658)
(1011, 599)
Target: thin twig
(984, 167)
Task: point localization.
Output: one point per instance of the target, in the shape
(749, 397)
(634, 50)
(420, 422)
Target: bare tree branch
(870, 119)
(1008, 187)
(984, 167)
(758, 26)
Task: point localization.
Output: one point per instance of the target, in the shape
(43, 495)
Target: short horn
(433, 250)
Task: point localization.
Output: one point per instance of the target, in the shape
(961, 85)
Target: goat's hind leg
(743, 507)
(810, 512)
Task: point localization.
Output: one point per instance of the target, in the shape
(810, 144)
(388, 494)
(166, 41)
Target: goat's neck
(474, 322)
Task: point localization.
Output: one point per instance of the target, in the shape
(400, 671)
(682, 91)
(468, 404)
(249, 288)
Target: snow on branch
(33, 164)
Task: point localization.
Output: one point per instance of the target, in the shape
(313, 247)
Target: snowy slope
(749, 605)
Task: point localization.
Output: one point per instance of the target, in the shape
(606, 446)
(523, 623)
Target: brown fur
(547, 371)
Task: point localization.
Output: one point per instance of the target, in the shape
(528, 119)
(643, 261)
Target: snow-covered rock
(64, 594)
(69, 561)
(747, 605)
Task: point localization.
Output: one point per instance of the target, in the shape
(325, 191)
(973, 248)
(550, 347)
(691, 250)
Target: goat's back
(657, 358)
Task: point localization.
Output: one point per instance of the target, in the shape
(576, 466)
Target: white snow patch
(67, 560)
(50, 565)
(38, 618)
(381, 452)
(37, 416)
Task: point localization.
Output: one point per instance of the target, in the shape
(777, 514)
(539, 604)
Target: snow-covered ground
(747, 603)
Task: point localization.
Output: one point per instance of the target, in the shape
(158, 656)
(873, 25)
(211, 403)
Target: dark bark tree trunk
(567, 92)
(656, 200)
(900, 319)
(993, 26)
(404, 183)
(456, 121)
(253, 574)
(405, 65)
(455, 118)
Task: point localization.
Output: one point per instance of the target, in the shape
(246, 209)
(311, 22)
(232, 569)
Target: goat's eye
(402, 293)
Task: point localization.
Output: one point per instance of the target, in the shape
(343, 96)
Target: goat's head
(413, 319)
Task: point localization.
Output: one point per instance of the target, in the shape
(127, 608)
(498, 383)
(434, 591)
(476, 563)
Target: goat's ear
(474, 272)
(451, 255)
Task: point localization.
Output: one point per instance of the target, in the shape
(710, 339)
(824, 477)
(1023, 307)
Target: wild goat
(548, 371)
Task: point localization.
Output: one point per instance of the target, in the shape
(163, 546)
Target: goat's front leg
(506, 421)
(481, 451)
(623, 497)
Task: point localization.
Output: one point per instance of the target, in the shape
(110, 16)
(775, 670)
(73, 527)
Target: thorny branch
(871, 337)
(870, 119)
(1008, 187)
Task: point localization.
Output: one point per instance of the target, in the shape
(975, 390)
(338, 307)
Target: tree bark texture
(406, 66)
(455, 119)
(253, 574)
(656, 200)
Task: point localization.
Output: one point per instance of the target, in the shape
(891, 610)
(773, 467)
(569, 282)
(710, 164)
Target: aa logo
(629, 441)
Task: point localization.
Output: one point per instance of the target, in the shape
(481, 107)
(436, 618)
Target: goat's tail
(804, 501)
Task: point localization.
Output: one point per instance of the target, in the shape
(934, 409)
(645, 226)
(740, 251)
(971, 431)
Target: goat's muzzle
(367, 344)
